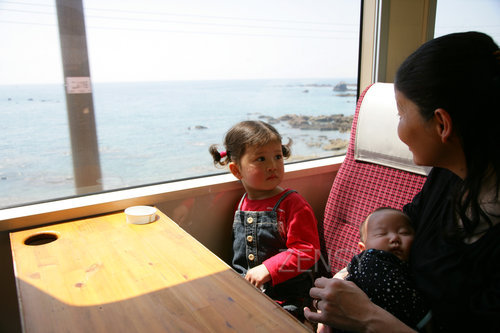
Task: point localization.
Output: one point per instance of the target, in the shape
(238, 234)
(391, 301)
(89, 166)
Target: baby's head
(387, 229)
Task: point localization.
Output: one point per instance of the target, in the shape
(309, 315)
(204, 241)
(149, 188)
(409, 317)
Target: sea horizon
(150, 132)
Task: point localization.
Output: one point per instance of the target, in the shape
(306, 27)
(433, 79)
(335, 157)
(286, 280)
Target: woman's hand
(340, 303)
(322, 328)
(258, 275)
(343, 305)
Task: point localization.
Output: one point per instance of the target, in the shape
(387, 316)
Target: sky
(467, 15)
(161, 40)
(153, 40)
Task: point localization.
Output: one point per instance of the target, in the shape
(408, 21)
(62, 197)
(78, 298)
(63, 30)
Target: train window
(464, 15)
(164, 80)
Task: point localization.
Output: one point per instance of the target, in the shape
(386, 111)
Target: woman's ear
(235, 170)
(444, 123)
(361, 246)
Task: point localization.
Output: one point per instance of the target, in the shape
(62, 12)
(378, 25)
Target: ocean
(150, 132)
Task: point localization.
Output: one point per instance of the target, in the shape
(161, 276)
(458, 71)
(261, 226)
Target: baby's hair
(362, 226)
(244, 134)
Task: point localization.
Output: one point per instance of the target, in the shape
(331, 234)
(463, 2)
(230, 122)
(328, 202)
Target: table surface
(102, 274)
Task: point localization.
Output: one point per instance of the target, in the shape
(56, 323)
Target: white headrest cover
(377, 138)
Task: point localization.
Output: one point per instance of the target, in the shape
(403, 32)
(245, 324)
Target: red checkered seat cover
(358, 189)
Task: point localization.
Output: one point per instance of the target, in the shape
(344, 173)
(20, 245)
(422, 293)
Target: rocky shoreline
(334, 122)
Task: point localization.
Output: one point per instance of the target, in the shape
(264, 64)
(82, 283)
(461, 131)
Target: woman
(447, 94)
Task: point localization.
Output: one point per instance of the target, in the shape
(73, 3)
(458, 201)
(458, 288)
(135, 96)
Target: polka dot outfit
(387, 281)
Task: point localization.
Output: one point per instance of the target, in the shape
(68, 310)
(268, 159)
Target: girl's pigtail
(286, 149)
(218, 156)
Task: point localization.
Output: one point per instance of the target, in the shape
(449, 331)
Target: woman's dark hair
(460, 73)
(244, 134)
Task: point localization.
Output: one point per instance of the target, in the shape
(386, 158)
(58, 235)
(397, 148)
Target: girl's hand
(258, 275)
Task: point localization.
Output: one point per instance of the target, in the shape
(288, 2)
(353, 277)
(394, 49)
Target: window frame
(101, 203)
(376, 46)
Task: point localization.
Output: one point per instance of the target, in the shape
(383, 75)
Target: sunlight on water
(152, 132)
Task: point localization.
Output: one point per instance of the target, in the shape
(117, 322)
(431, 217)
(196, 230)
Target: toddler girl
(275, 236)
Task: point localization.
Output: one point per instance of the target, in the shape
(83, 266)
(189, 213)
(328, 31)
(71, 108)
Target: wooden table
(102, 274)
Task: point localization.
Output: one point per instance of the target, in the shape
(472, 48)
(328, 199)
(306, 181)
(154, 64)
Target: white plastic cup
(140, 214)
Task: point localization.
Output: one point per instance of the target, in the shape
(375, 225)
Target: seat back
(359, 186)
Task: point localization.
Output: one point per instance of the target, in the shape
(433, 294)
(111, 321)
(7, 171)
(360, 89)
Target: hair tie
(222, 154)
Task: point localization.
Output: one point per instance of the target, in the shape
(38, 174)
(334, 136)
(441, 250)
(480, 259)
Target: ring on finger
(315, 303)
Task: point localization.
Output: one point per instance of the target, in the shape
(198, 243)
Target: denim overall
(256, 237)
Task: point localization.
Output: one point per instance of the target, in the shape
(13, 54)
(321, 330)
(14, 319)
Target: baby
(382, 271)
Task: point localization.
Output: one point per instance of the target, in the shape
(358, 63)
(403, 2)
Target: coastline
(154, 132)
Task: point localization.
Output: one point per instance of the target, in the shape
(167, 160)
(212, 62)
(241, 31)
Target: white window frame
(381, 46)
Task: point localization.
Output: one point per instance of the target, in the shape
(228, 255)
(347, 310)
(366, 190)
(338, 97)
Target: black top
(461, 282)
(387, 281)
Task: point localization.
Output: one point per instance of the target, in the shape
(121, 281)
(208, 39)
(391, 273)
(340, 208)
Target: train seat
(378, 170)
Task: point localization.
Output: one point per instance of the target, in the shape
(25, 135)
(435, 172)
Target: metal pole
(86, 165)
